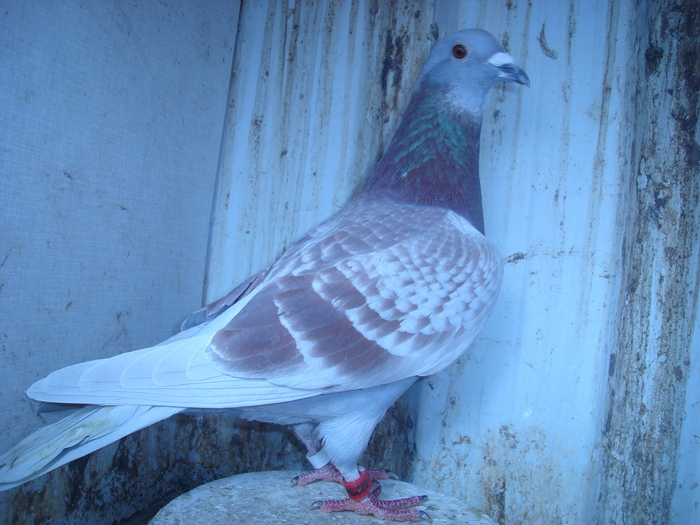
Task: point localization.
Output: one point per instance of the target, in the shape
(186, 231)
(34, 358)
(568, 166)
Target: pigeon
(394, 287)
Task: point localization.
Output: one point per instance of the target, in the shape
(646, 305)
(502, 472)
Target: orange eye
(459, 52)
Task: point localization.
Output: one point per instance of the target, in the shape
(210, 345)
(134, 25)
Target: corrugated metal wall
(581, 401)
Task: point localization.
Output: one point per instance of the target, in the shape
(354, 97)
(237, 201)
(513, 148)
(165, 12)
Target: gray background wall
(152, 155)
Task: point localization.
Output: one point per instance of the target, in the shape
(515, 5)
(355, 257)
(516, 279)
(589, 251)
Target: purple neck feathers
(433, 159)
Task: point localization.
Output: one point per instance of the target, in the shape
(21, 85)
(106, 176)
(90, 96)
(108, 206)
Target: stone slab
(268, 498)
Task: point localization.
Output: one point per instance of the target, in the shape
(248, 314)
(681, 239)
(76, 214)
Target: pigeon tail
(82, 432)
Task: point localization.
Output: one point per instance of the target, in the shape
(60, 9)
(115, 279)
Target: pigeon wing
(381, 292)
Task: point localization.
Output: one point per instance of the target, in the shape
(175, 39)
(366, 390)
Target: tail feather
(84, 431)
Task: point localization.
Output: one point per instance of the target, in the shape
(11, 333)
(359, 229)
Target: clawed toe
(326, 473)
(391, 510)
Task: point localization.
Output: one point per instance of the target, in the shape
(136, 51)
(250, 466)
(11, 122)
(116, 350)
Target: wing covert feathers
(381, 292)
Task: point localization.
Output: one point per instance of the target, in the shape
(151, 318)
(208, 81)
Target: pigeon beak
(508, 71)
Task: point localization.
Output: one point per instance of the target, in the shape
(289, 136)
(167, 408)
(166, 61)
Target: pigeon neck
(434, 159)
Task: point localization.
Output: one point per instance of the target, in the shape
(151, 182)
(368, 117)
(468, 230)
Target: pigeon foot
(329, 472)
(390, 510)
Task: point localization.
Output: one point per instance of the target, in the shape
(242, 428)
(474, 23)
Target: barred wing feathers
(382, 292)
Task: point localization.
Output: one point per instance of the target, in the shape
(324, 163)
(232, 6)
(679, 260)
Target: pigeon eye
(459, 52)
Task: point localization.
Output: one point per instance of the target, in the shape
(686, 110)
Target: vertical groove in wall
(220, 163)
(648, 372)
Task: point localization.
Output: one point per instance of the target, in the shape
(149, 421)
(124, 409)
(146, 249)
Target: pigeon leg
(324, 470)
(364, 499)
(305, 432)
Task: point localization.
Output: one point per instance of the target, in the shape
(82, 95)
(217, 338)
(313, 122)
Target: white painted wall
(685, 506)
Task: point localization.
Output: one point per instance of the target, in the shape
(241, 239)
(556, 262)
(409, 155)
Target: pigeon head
(434, 157)
(465, 65)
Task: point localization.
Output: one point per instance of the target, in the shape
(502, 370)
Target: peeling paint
(649, 379)
(548, 51)
(517, 470)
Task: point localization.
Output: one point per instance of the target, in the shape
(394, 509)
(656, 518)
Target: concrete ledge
(267, 498)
